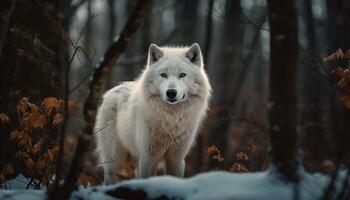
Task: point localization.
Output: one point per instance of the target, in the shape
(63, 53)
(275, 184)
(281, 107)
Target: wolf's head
(175, 74)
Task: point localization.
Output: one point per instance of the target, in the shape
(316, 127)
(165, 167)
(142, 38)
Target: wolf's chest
(170, 123)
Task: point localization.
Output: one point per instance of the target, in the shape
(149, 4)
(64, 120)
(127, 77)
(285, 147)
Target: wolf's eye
(164, 75)
(182, 75)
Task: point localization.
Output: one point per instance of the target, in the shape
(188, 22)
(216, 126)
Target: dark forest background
(46, 59)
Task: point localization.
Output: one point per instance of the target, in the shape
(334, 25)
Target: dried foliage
(237, 164)
(340, 63)
(34, 138)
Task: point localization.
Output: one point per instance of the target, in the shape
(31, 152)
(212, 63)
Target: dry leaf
(50, 104)
(57, 119)
(212, 150)
(38, 120)
(334, 56)
(242, 156)
(36, 148)
(345, 99)
(29, 163)
(4, 118)
(22, 105)
(238, 168)
(16, 135)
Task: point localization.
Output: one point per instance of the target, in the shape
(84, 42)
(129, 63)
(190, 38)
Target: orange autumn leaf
(212, 150)
(29, 163)
(38, 120)
(16, 135)
(4, 118)
(33, 107)
(57, 119)
(238, 168)
(336, 55)
(36, 148)
(22, 105)
(50, 104)
(242, 156)
(345, 99)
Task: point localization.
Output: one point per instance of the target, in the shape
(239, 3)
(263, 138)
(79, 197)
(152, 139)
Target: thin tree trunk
(310, 85)
(233, 31)
(209, 32)
(282, 91)
(102, 72)
(208, 38)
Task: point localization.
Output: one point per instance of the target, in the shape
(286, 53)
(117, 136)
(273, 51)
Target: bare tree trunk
(282, 94)
(209, 32)
(310, 85)
(102, 72)
(186, 16)
(233, 31)
(208, 38)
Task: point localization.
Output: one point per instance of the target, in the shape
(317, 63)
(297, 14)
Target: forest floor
(205, 186)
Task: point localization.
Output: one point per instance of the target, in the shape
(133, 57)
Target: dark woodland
(280, 72)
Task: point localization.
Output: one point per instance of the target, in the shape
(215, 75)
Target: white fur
(136, 122)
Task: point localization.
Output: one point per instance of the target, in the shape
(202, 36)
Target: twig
(259, 27)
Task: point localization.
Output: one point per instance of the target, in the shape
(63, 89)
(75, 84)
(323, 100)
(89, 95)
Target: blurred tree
(186, 15)
(233, 32)
(206, 53)
(282, 87)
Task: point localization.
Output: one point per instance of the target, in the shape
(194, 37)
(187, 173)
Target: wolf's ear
(194, 54)
(154, 54)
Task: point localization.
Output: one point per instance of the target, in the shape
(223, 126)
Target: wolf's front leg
(150, 154)
(175, 166)
(175, 156)
(146, 167)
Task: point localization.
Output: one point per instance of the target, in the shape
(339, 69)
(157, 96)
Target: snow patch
(206, 186)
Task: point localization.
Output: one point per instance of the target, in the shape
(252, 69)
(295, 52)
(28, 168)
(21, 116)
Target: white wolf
(154, 118)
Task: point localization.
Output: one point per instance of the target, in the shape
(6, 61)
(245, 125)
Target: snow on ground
(206, 186)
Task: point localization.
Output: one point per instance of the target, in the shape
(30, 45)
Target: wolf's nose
(171, 93)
